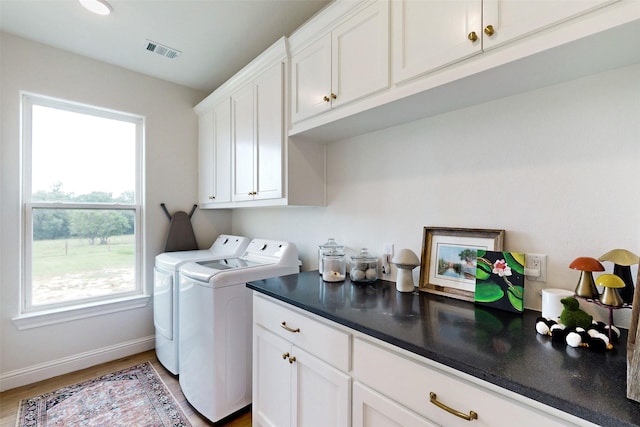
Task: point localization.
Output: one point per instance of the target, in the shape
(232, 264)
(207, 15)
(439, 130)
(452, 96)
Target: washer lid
(229, 263)
(225, 246)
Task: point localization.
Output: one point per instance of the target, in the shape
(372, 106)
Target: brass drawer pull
(433, 398)
(472, 36)
(284, 326)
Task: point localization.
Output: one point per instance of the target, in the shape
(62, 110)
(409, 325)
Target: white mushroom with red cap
(406, 260)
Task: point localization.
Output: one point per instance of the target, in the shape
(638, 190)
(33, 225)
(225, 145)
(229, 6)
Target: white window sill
(67, 314)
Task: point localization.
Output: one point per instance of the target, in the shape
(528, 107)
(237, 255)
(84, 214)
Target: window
(82, 204)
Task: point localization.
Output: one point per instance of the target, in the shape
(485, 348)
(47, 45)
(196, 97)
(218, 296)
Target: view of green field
(70, 269)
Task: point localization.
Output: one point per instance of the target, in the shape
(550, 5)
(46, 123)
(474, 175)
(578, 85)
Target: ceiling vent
(163, 50)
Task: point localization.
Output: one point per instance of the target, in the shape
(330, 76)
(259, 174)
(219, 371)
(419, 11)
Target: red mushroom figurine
(586, 287)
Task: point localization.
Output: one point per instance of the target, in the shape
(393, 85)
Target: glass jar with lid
(364, 267)
(334, 267)
(330, 247)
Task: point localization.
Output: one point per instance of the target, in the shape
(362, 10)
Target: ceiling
(216, 37)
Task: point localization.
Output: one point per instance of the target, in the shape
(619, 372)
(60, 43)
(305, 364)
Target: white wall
(557, 168)
(170, 175)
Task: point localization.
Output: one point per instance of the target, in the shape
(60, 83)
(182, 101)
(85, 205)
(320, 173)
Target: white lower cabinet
(291, 386)
(372, 409)
(439, 397)
(311, 372)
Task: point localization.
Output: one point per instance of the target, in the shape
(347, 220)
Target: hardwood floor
(9, 399)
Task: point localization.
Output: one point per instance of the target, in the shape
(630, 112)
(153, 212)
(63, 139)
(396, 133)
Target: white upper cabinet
(432, 34)
(258, 130)
(270, 133)
(506, 20)
(427, 35)
(350, 62)
(311, 80)
(245, 156)
(214, 154)
(243, 147)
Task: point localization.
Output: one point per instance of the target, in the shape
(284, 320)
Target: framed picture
(633, 348)
(448, 261)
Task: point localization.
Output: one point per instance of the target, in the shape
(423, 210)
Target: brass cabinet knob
(472, 36)
(489, 30)
(326, 98)
(284, 356)
(292, 359)
(333, 95)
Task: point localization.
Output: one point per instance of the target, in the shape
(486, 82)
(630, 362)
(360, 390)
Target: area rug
(135, 396)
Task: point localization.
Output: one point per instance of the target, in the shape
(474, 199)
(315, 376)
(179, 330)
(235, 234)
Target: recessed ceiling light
(101, 7)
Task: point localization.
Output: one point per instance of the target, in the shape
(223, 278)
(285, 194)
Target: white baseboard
(43, 371)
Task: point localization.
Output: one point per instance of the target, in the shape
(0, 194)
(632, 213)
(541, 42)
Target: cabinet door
(371, 409)
(311, 80)
(320, 392)
(432, 34)
(206, 159)
(270, 133)
(222, 152)
(271, 406)
(511, 19)
(244, 162)
(360, 54)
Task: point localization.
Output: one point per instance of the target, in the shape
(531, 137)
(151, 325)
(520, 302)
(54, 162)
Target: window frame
(30, 315)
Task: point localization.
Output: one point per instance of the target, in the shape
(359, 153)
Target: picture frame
(633, 353)
(447, 263)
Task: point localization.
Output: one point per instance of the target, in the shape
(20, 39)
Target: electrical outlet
(387, 254)
(536, 262)
(388, 249)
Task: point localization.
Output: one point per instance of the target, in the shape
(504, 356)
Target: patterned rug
(135, 396)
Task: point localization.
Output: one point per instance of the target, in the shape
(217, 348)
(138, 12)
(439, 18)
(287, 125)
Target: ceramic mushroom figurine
(586, 288)
(622, 260)
(611, 283)
(406, 260)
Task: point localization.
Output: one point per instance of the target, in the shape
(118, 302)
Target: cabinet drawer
(410, 383)
(323, 341)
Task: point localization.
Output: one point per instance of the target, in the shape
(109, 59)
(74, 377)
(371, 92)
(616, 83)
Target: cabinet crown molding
(324, 21)
(276, 52)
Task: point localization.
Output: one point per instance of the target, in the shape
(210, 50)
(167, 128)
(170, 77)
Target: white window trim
(31, 317)
(77, 312)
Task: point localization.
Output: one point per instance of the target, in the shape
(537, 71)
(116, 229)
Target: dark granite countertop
(496, 346)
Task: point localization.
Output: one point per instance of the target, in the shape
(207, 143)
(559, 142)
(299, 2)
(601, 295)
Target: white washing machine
(216, 325)
(165, 292)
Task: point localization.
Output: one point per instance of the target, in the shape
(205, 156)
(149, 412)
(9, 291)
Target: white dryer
(165, 292)
(216, 324)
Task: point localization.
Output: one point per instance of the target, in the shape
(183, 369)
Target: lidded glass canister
(364, 267)
(334, 267)
(330, 247)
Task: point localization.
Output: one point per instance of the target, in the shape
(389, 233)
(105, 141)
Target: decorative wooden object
(633, 361)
